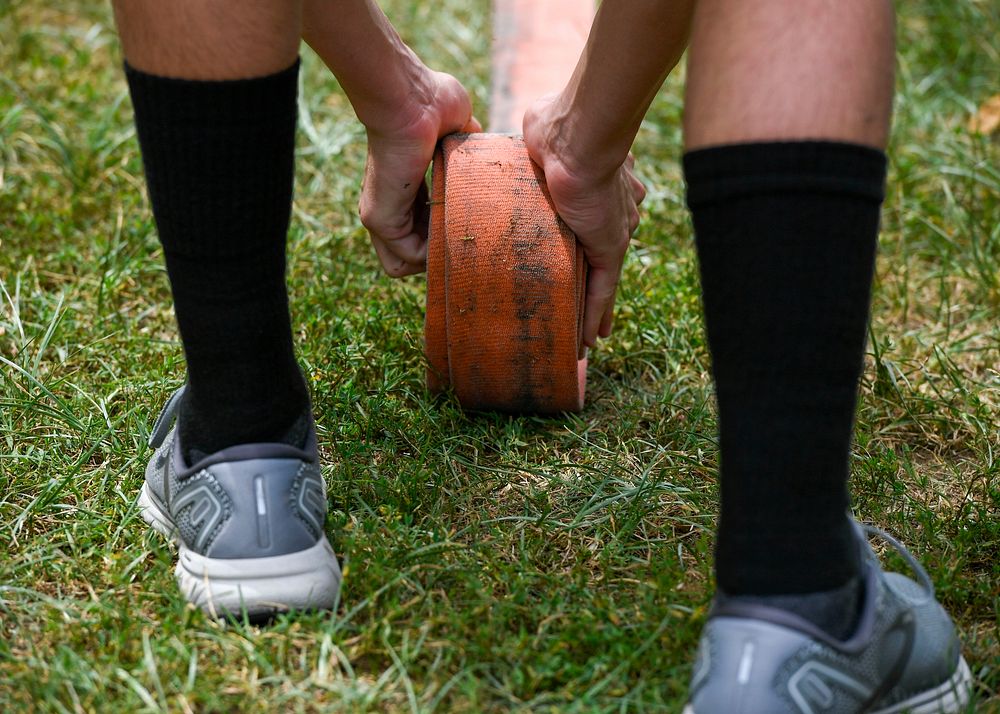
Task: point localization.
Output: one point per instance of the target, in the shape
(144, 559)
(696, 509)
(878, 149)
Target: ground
(492, 563)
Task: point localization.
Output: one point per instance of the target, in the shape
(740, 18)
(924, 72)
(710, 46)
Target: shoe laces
(922, 577)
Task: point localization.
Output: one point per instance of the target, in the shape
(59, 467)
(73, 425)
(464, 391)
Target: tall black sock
(219, 168)
(786, 236)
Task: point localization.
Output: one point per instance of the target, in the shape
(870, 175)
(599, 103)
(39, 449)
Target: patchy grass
(492, 563)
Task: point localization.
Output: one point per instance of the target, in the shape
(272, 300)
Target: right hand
(601, 206)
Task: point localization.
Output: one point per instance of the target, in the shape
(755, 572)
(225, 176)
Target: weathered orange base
(505, 282)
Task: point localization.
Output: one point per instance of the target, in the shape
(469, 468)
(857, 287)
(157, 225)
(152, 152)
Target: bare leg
(209, 39)
(776, 70)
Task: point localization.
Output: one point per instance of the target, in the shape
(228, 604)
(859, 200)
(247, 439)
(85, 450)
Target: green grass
(492, 563)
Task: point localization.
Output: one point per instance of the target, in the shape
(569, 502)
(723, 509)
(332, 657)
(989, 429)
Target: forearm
(381, 76)
(632, 47)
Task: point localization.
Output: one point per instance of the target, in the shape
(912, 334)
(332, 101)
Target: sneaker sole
(152, 512)
(952, 697)
(259, 587)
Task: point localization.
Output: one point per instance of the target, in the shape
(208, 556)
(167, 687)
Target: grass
(492, 563)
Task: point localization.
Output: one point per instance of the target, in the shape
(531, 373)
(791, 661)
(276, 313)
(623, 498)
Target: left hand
(393, 194)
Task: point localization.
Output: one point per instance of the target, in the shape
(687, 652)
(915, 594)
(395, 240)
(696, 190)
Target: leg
(777, 71)
(213, 85)
(786, 115)
(787, 300)
(215, 40)
(218, 156)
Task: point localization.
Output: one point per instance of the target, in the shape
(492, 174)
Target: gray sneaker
(248, 521)
(904, 656)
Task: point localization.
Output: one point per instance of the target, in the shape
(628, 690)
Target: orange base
(505, 282)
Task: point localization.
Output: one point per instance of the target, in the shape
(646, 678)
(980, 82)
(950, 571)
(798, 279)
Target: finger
(638, 189)
(607, 320)
(422, 214)
(386, 205)
(601, 285)
(409, 246)
(407, 255)
(472, 126)
(392, 264)
(456, 106)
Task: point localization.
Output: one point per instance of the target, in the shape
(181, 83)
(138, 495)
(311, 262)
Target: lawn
(492, 563)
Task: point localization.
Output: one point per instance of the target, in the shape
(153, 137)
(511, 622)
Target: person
(786, 120)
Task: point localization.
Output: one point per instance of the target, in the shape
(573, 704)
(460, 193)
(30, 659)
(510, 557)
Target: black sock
(219, 169)
(786, 236)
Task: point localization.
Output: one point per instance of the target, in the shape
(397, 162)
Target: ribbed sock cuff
(219, 158)
(738, 170)
(172, 101)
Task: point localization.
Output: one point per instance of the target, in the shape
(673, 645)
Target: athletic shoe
(248, 521)
(904, 657)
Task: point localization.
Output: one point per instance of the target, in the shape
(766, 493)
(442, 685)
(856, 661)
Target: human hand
(393, 203)
(599, 203)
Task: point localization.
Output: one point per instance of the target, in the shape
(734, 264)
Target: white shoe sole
(952, 697)
(306, 580)
(151, 512)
